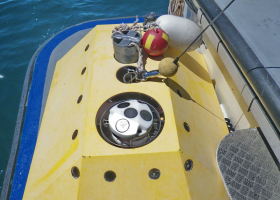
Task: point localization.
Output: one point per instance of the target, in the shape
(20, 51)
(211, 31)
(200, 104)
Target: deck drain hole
(188, 165)
(87, 47)
(75, 134)
(187, 127)
(75, 172)
(179, 93)
(154, 174)
(80, 99)
(110, 176)
(84, 70)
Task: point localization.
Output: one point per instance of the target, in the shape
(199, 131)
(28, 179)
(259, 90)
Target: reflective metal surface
(102, 123)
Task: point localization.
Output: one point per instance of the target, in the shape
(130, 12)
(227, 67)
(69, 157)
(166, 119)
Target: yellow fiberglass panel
(65, 187)
(56, 152)
(199, 108)
(132, 177)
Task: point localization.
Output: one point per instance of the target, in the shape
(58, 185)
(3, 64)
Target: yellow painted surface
(164, 36)
(55, 154)
(132, 180)
(149, 41)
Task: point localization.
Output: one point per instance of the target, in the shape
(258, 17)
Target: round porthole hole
(84, 70)
(87, 47)
(110, 176)
(80, 99)
(187, 127)
(75, 134)
(75, 172)
(188, 165)
(154, 174)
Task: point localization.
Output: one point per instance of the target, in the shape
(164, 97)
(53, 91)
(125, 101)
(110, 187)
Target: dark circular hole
(75, 172)
(154, 174)
(87, 47)
(80, 99)
(187, 127)
(130, 113)
(75, 134)
(188, 165)
(84, 70)
(145, 115)
(126, 73)
(110, 176)
(139, 131)
(123, 105)
(179, 93)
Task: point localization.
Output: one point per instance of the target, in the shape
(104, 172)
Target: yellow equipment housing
(56, 152)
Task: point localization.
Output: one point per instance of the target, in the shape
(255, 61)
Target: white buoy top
(181, 32)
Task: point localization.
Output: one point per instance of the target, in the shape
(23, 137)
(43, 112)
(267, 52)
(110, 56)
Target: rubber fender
(181, 31)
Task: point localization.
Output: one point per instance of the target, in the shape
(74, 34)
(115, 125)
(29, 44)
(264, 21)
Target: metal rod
(177, 59)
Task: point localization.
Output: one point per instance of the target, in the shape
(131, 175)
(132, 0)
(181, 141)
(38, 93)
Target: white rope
(125, 27)
(151, 25)
(140, 60)
(176, 7)
(134, 27)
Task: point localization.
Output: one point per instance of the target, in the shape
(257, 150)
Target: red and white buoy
(155, 42)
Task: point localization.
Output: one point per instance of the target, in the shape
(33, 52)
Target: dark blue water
(25, 25)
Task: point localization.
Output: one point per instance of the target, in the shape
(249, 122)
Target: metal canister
(125, 52)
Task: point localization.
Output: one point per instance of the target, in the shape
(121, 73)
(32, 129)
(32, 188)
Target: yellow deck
(56, 153)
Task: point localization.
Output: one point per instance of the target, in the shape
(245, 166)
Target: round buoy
(181, 32)
(155, 42)
(167, 68)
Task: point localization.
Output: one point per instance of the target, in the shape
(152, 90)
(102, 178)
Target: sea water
(25, 25)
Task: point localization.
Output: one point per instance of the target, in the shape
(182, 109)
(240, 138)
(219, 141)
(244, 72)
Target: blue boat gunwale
(28, 120)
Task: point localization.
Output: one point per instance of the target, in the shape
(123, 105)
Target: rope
(138, 28)
(134, 27)
(140, 60)
(125, 27)
(176, 7)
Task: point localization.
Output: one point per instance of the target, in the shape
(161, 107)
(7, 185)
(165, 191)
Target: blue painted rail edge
(32, 116)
